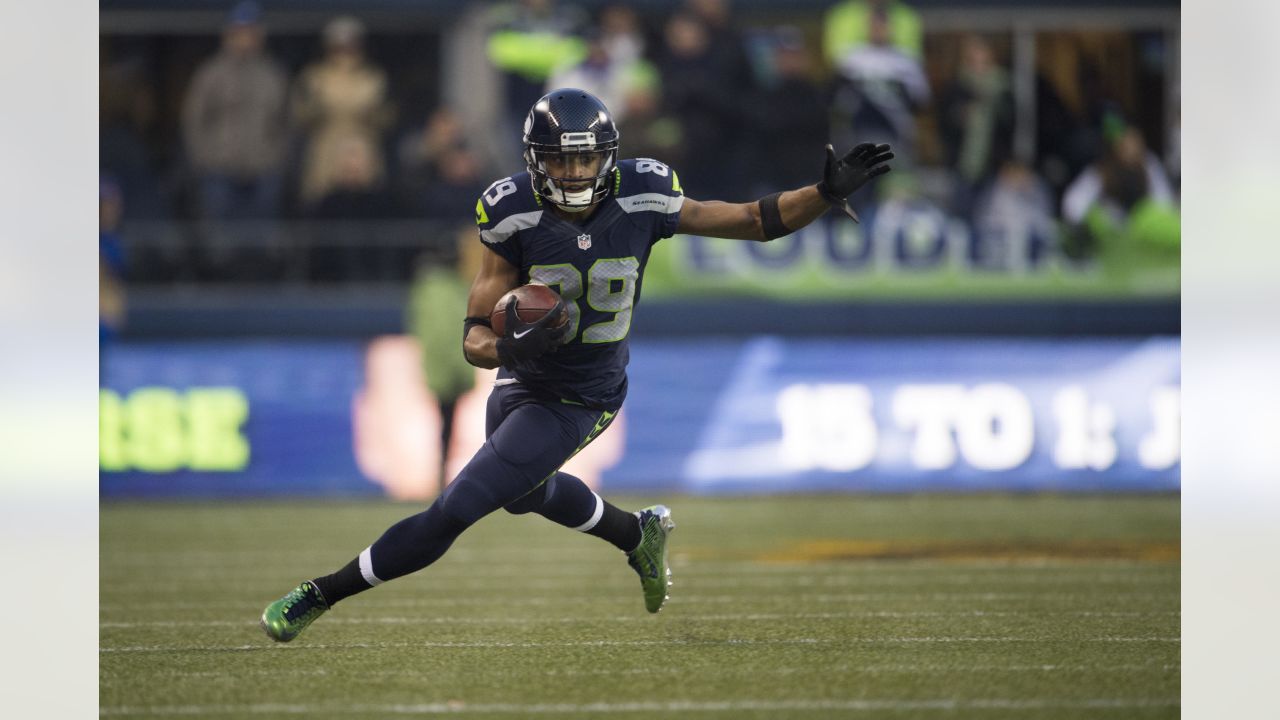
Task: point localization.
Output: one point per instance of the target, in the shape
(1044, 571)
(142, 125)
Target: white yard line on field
(719, 670)
(577, 620)
(683, 596)
(554, 562)
(627, 643)
(489, 578)
(458, 707)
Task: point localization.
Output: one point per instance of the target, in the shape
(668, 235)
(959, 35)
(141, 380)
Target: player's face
(575, 166)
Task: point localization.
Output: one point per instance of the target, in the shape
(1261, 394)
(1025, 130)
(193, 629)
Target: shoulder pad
(506, 207)
(643, 185)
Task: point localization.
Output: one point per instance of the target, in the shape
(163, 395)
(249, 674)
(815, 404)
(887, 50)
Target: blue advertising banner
(764, 415)
(205, 419)
(773, 415)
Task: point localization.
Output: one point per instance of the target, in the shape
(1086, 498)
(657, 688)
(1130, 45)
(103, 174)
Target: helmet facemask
(553, 185)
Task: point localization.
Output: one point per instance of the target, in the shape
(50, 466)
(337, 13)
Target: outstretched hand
(841, 178)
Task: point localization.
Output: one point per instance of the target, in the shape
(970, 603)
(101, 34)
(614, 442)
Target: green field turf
(796, 607)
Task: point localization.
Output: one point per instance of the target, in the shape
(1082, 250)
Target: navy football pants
(517, 468)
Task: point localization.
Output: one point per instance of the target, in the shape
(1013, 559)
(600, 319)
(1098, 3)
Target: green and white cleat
(286, 618)
(650, 559)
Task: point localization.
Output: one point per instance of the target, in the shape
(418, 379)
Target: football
(534, 301)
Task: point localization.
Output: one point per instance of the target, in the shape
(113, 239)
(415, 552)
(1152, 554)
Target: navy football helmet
(563, 126)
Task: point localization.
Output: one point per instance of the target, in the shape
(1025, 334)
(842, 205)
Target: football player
(583, 222)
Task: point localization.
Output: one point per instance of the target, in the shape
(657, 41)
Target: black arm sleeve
(771, 217)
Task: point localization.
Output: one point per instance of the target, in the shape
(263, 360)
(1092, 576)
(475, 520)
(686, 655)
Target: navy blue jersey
(596, 267)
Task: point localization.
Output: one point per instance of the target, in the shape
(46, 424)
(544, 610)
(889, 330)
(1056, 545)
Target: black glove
(841, 178)
(524, 341)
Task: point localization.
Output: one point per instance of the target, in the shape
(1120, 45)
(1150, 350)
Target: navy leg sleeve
(525, 448)
(413, 543)
(563, 499)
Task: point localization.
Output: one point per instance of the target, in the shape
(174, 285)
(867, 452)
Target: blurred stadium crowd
(344, 155)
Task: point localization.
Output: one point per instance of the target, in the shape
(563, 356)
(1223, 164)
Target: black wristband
(467, 324)
(771, 217)
(470, 322)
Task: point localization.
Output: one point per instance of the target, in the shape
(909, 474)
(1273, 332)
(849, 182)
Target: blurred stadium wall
(946, 343)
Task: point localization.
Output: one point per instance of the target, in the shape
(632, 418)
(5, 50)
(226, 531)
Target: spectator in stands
(620, 33)
(1124, 196)
(529, 40)
(418, 157)
(1173, 144)
(436, 300)
(976, 117)
(340, 97)
(234, 123)
(1055, 126)
(355, 250)
(111, 269)
(879, 88)
(1013, 221)
(615, 68)
(710, 110)
(847, 27)
(649, 131)
(598, 73)
(786, 139)
(727, 50)
(1071, 135)
(455, 191)
(126, 116)
(1127, 174)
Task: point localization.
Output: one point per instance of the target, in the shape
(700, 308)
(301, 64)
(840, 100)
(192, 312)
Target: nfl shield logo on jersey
(584, 241)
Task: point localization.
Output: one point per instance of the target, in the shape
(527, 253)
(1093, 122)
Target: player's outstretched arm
(496, 278)
(783, 213)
